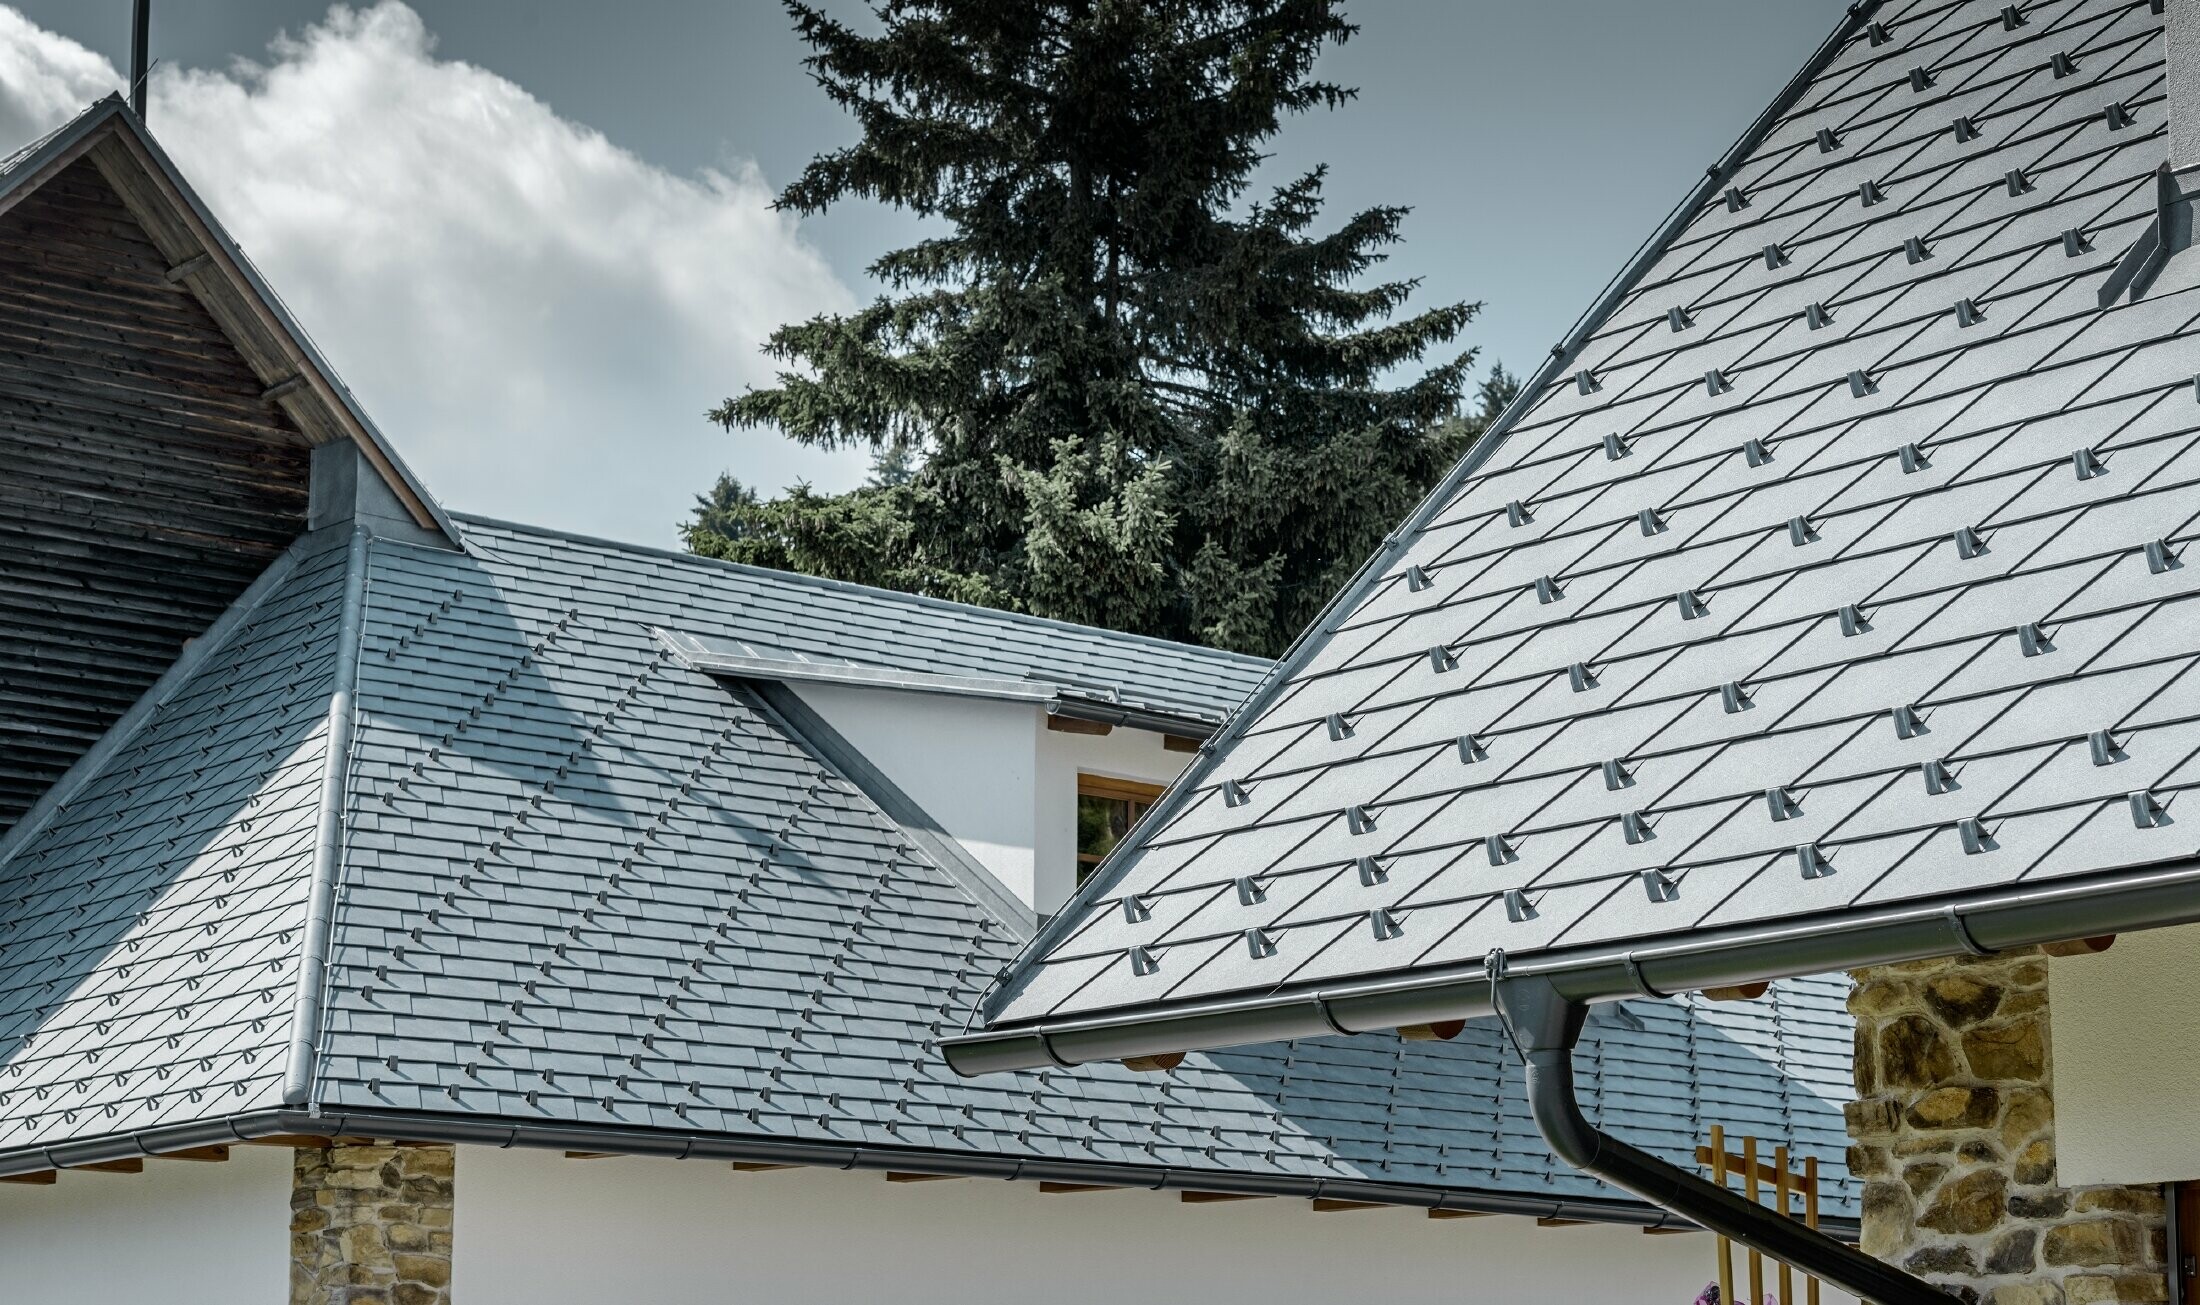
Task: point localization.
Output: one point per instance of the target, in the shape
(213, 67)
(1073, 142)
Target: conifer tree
(1123, 389)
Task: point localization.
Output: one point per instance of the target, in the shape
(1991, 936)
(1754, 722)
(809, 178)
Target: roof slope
(1797, 594)
(585, 885)
(151, 923)
(783, 617)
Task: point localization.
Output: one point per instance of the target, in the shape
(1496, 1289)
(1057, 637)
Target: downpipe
(1544, 1028)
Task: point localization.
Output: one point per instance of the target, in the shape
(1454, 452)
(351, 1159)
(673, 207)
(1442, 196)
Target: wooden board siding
(144, 482)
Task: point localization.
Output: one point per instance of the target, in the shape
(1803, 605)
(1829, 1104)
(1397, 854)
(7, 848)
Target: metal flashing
(328, 833)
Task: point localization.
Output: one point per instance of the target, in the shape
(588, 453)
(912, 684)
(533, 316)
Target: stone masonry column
(1953, 1134)
(370, 1224)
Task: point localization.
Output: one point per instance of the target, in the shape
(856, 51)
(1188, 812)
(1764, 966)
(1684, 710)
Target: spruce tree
(1124, 391)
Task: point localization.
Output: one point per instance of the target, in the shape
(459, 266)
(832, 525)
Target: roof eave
(456, 1130)
(2148, 897)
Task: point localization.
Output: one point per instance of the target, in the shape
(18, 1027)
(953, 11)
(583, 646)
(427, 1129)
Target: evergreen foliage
(1115, 388)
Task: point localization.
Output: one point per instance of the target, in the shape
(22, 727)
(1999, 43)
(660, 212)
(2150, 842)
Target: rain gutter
(1544, 1027)
(1998, 920)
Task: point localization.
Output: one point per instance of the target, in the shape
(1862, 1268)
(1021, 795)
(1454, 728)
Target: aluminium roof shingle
(151, 926)
(1840, 567)
(779, 616)
(590, 885)
(584, 885)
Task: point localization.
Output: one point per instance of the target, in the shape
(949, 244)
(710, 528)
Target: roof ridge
(852, 587)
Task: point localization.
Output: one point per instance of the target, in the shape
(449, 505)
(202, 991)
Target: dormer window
(1107, 809)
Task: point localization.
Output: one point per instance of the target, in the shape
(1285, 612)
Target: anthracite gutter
(1993, 921)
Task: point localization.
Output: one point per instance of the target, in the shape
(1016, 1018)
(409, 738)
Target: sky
(536, 236)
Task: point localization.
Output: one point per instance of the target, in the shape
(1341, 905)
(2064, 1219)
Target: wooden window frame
(1141, 795)
(1121, 790)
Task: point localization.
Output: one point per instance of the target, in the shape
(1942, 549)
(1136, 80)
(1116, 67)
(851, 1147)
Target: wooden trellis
(1757, 1180)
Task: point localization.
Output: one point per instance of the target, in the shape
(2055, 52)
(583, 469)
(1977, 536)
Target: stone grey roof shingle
(150, 927)
(1797, 592)
(586, 887)
(782, 616)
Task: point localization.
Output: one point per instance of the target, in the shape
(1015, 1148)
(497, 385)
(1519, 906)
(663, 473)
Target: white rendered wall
(2125, 1028)
(533, 1228)
(970, 763)
(1121, 754)
(181, 1233)
(992, 774)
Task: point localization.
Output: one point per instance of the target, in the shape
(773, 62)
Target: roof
(589, 896)
(1827, 586)
(749, 620)
(151, 924)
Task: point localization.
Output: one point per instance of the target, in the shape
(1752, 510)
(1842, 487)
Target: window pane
(1106, 816)
(1101, 824)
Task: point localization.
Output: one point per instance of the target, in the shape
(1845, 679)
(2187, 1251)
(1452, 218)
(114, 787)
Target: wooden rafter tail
(900, 1176)
(1052, 1188)
(36, 1178)
(1327, 1204)
(1441, 1213)
(755, 1167)
(1209, 1198)
(203, 1154)
(133, 1165)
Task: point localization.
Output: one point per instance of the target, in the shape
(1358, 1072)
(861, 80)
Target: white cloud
(537, 318)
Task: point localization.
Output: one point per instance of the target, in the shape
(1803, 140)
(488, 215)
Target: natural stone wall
(371, 1225)
(1954, 1135)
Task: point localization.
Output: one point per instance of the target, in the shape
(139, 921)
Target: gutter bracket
(1634, 975)
(1962, 933)
(1543, 1027)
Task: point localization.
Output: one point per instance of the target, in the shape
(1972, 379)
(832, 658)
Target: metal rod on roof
(141, 34)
